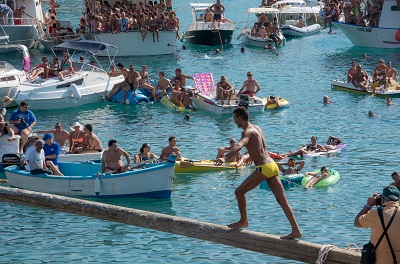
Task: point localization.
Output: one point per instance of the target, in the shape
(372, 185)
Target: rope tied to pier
(323, 253)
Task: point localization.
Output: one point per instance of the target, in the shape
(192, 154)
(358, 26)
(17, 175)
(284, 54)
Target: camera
(23, 121)
(378, 200)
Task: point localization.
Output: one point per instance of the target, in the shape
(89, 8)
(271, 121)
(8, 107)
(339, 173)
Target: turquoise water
(300, 72)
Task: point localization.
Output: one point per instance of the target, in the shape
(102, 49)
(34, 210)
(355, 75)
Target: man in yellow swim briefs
(266, 169)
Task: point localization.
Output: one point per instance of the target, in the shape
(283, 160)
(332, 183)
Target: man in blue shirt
(23, 120)
(7, 15)
(51, 153)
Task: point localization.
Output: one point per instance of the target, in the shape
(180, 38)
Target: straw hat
(75, 125)
(6, 101)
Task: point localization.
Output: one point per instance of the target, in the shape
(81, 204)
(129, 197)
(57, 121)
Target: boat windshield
(5, 66)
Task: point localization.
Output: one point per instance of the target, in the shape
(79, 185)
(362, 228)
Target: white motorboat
(87, 85)
(292, 9)
(25, 31)
(252, 21)
(206, 100)
(385, 35)
(130, 43)
(392, 91)
(200, 32)
(291, 30)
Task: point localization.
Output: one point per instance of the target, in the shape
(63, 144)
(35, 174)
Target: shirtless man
(180, 77)
(252, 86)
(60, 136)
(113, 72)
(274, 31)
(187, 101)
(162, 86)
(217, 9)
(111, 160)
(93, 142)
(396, 179)
(176, 97)
(18, 15)
(131, 82)
(208, 17)
(266, 169)
(118, 86)
(143, 25)
(171, 149)
(224, 150)
(351, 71)
(391, 73)
(224, 90)
(262, 32)
(145, 81)
(291, 166)
(360, 79)
(378, 71)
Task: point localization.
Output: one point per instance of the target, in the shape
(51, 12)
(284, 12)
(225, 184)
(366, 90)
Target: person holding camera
(388, 202)
(24, 121)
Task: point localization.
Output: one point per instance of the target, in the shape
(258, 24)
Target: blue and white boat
(86, 180)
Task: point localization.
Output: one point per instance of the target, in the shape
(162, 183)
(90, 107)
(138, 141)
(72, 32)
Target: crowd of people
(383, 77)
(267, 30)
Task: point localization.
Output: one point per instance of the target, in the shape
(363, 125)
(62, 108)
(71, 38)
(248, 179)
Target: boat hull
(374, 37)
(349, 87)
(83, 179)
(209, 37)
(131, 43)
(21, 34)
(293, 31)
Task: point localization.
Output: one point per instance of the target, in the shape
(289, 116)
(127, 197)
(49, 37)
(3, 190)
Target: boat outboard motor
(10, 159)
(244, 100)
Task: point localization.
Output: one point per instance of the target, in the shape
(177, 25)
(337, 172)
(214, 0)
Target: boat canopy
(200, 6)
(93, 47)
(259, 10)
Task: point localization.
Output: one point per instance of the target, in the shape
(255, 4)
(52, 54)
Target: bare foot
(11, 139)
(239, 224)
(293, 235)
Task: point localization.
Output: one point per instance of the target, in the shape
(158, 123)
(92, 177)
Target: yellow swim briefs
(269, 170)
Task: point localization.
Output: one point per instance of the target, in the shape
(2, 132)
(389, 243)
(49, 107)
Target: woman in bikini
(65, 67)
(77, 139)
(144, 154)
(311, 148)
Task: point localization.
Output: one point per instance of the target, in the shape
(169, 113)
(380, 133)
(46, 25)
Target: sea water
(300, 72)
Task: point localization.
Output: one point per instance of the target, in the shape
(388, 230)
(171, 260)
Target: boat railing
(25, 21)
(208, 25)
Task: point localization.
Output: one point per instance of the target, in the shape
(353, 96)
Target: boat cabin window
(66, 85)
(7, 78)
(200, 16)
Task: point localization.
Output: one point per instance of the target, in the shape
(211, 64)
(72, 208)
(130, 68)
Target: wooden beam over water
(259, 242)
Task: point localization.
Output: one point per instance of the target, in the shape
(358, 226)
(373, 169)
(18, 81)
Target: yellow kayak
(202, 165)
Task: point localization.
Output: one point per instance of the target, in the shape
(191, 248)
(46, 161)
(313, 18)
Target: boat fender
(97, 185)
(75, 91)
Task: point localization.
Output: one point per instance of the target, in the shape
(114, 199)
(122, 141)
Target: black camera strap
(385, 232)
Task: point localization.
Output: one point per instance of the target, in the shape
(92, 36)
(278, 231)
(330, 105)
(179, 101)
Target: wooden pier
(255, 241)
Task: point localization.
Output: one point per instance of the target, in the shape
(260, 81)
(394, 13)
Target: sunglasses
(57, 127)
(249, 75)
(148, 147)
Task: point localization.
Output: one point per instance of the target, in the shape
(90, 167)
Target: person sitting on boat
(333, 15)
(65, 67)
(310, 148)
(263, 3)
(254, 30)
(113, 72)
(291, 163)
(173, 24)
(224, 20)
(180, 77)
(224, 90)
(351, 72)
(145, 82)
(396, 179)
(6, 130)
(92, 140)
(18, 12)
(222, 151)
(123, 23)
(50, 69)
(317, 176)
(262, 32)
(153, 27)
(131, 82)
(392, 73)
(51, 152)
(60, 136)
(24, 121)
(217, 10)
(332, 143)
(187, 101)
(38, 70)
(360, 79)
(326, 100)
(274, 32)
(251, 85)
(263, 19)
(208, 17)
(360, 19)
(176, 94)
(382, 84)
(111, 160)
(36, 160)
(170, 149)
(118, 86)
(378, 71)
(76, 139)
(273, 100)
(162, 86)
(144, 154)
